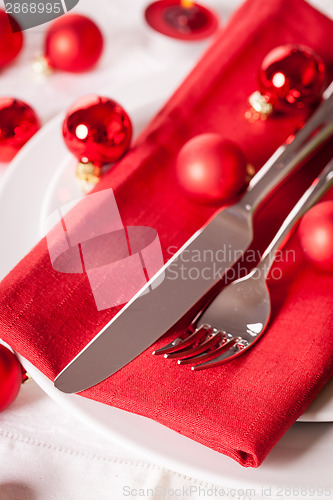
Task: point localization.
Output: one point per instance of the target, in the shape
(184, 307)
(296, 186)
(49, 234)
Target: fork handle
(287, 157)
(317, 189)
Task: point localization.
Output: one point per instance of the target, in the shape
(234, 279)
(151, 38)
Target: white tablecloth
(46, 453)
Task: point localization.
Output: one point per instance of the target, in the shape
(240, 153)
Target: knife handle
(286, 158)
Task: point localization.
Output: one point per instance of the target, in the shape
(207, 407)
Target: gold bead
(88, 172)
(260, 107)
(41, 66)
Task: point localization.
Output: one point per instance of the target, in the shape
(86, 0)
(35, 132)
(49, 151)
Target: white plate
(40, 180)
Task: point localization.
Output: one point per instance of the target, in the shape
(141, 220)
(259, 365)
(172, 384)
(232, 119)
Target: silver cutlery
(147, 316)
(238, 316)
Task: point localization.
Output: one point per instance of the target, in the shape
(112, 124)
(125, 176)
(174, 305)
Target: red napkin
(243, 408)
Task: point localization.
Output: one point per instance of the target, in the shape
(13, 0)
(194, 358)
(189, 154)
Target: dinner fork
(239, 314)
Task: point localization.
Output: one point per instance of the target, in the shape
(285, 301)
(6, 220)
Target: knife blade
(147, 316)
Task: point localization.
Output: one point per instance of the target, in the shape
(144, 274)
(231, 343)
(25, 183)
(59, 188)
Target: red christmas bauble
(97, 129)
(210, 168)
(10, 43)
(18, 123)
(292, 76)
(11, 376)
(315, 233)
(73, 43)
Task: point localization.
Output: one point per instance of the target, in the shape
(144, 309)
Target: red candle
(182, 20)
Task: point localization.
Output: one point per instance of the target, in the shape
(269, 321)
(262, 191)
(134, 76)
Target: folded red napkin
(242, 408)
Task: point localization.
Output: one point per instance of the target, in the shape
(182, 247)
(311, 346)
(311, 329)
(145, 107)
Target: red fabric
(242, 408)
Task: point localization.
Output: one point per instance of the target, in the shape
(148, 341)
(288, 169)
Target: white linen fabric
(46, 454)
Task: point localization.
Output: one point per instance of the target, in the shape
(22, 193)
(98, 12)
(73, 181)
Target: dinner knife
(147, 316)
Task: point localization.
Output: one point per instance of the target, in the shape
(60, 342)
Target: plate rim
(8, 176)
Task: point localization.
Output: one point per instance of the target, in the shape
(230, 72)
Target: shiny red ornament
(292, 76)
(315, 233)
(18, 123)
(97, 129)
(73, 43)
(10, 43)
(11, 376)
(210, 168)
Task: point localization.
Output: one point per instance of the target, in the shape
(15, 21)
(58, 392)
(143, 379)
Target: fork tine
(211, 342)
(234, 351)
(226, 346)
(169, 347)
(179, 343)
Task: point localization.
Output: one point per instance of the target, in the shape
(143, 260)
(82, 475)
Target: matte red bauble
(18, 123)
(211, 168)
(11, 376)
(73, 43)
(316, 235)
(97, 130)
(10, 43)
(291, 76)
